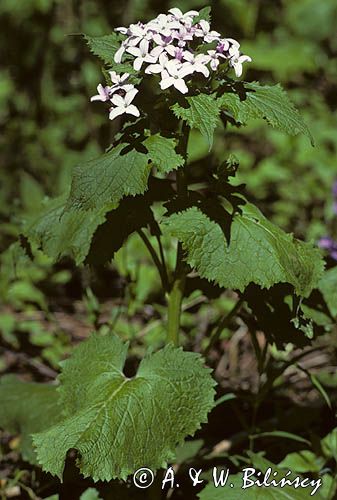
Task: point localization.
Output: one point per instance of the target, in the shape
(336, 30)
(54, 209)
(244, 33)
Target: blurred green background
(49, 125)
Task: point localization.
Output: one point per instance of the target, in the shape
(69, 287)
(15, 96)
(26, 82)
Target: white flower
(123, 105)
(176, 52)
(214, 58)
(204, 30)
(195, 64)
(236, 62)
(172, 76)
(163, 24)
(142, 54)
(177, 14)
(233, 42)
(183, 36)
(103, 95)
(159, 67)
(118, 79)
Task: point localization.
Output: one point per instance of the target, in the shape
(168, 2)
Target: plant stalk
(176, 294)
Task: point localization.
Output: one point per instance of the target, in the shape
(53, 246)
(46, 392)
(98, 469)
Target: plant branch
(222, 324)
(175, 297)
(155, 258)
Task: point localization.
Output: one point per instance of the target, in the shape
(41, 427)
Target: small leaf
(268, 102)
(105, 46)
(302, 461)
(329, 444)
(162, 153)
(281, 434)
(204, 15)
(258, 251)
(201, 113)
(26, 408)
(90, 494)
(119, 424)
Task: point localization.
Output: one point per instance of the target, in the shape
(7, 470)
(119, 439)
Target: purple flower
(330, 245)
(103, 95)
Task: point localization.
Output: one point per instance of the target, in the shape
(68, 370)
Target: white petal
(188, 56)
(114, 76)
(129, 97)
(138, 63)
(132, 110)
(124, 77)
(153, 68)
(144, 47)
(235, 43)
(181, 86)
(172, 67)
(201, 68)
(95, 98)
(187, 69)
(134, 51)
(117, 100)
(176, 12)
(243, 59)
(119, 54)
(156, 52)
(114, 112)
(166, 83)
(192, 13)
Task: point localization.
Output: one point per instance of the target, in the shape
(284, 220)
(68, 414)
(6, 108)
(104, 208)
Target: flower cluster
(173, 46)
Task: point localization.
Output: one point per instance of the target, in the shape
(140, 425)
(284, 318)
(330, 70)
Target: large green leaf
(202, 112)
(258, 251)
(26, 408)
(64, 234)
(119, 424)
(268, 102)
(102, 182)
(67, 228)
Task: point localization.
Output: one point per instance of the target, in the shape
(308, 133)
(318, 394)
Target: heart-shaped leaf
(119, 424)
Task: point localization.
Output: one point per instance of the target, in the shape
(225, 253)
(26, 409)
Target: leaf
(281, 434)
(202, 113)
(328, 287)
(104, 181)
(27, 408)
(162, 153)
(268, 102)
(105, 46)
(90, 494)
(329, 444)
(119, 424)
(258, 251)
(67, 228)
(64, 234)
(204, 14)
(302, 461)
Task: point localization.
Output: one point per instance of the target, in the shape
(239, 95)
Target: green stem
(175, 300)
(176, 294)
